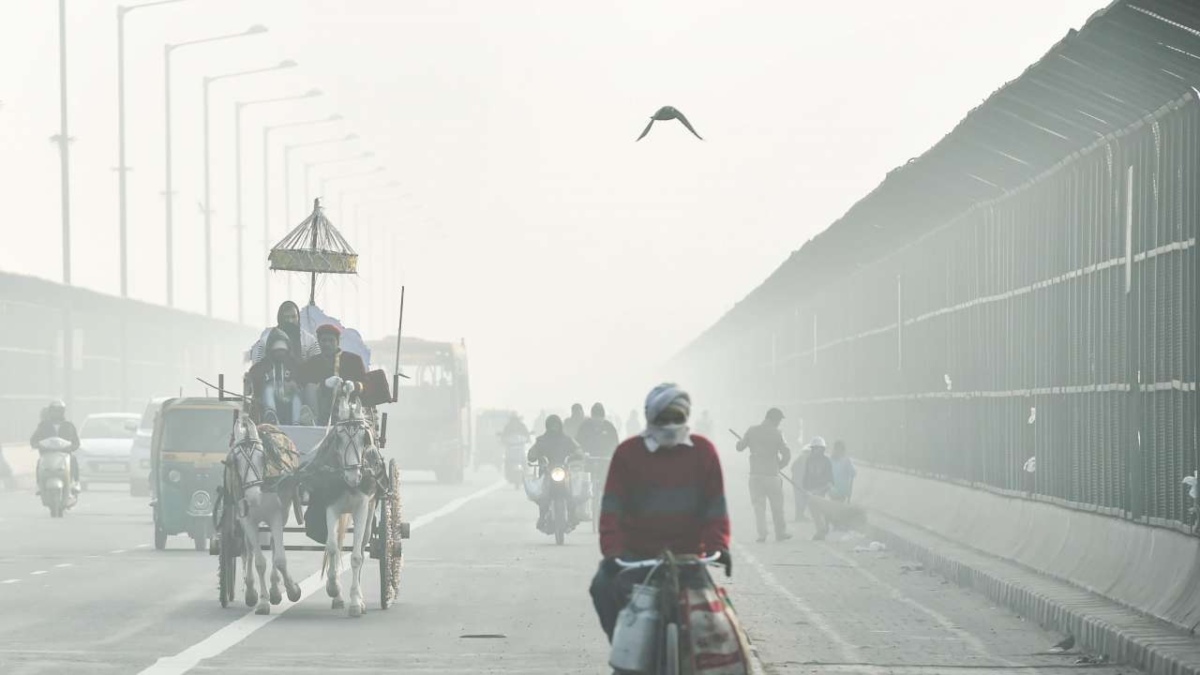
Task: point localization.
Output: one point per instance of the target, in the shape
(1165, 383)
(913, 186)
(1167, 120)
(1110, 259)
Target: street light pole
(287, 177)
(122, 168)
(64, 145)
(208, 81)
(266, 197)
(168, 49)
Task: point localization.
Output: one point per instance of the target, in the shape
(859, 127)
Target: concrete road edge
(1098, 624)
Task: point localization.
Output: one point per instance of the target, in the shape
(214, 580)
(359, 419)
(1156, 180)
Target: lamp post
(168, 50)
(266, 197)
(237, 177)
(122, 194)
(287, 175)
(341, 206)
(309, 166)
(208, 82)
(356, 229)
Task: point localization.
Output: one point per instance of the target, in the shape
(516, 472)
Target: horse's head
(249, 462)
(347, 402)
(352, 449)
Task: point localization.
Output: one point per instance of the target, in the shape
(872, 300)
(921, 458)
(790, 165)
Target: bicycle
(671, 637)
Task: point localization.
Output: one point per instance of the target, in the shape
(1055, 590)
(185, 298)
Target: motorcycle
(561, 517)
(54, 475)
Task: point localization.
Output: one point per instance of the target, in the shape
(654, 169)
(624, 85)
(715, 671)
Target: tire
(560, 521)
(382, 541)
(227, 559)
(671, 665)
(160, 535)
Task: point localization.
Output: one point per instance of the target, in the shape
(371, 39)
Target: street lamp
(266, 197)
(309, 166)
(287, 176)
(355, 230)
(208, 81)
(122, 10)
(237, 173)
(287, 165)
(345, 176)
(168, 50)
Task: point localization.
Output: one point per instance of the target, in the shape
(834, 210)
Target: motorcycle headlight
(174, 476)
(558, 474)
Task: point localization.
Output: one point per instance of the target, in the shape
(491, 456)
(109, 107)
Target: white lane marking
(142, 546)
(973, 642)
(120, 550)
(242, 628)
(63, 565)
(10, 581)
(38, 572)
(848, 651)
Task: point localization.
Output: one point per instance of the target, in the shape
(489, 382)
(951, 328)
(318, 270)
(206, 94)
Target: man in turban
(321, 373)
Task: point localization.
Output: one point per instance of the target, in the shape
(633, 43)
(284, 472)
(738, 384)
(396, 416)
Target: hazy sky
(573, 260)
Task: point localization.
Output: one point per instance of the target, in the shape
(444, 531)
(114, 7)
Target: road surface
(481, 592)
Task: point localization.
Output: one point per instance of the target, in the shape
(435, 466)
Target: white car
(105, 441)
(139, 457)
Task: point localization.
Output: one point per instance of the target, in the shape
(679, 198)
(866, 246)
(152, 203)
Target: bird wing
(646, 131)
(683, 119)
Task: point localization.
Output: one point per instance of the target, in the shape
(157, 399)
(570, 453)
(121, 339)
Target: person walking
(768, 455)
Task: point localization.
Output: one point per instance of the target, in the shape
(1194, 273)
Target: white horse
(349, 450)
(263, 496)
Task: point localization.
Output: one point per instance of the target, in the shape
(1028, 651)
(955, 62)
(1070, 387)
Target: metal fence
(100, 353)
(1025, 289)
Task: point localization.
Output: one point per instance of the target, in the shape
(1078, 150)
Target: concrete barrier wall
(1150, 569)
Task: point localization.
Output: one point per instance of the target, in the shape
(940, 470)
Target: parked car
(105, 442)
(139, 457)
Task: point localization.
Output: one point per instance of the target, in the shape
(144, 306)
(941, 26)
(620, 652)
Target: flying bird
(667, 113)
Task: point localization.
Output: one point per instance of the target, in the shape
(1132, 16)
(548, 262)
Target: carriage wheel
(387, 540)
(227, 556)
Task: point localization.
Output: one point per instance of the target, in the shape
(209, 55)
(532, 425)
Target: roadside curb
(1098, 624)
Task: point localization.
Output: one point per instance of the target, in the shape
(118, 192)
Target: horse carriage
(333, 477)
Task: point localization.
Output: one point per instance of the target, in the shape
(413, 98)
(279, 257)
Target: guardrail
(1026, 288)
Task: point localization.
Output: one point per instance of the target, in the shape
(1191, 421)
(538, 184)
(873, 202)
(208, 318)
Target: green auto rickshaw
(190, 442)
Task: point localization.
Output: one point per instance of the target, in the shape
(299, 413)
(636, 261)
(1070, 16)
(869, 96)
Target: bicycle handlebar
(652, 562)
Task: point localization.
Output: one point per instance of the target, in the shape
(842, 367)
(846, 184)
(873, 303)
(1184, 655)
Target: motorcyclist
(665, 491)
(555, 448)
(54, 423)
(597, 436)
(515, 430)
(576, 420)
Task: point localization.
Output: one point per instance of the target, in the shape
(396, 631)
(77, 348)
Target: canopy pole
(312, 288)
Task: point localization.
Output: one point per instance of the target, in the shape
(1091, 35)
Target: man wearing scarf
(318, 373)
(302, 344)
(665, 491)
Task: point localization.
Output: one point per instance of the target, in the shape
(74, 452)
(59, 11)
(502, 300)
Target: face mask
(669, 435)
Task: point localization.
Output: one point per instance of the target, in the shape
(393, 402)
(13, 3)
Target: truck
(429, 424)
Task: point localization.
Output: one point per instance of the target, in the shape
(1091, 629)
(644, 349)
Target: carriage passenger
(274, 380)
(301, 343)
(318, 373)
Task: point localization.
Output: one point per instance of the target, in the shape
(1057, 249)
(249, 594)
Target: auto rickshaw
(190, 441)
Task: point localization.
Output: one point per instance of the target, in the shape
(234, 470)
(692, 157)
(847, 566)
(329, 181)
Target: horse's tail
(342, 526)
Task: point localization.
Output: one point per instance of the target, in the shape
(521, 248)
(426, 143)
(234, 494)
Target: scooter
(54, 475)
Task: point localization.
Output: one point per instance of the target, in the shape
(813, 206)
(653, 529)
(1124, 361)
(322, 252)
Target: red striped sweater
(671, 499)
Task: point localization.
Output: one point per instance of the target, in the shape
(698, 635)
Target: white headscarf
(666, 395)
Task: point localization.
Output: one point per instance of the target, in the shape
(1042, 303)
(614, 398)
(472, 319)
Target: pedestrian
(798, 492)
(818, 479)
(843, 473)
(633, 426)
(768, 455)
